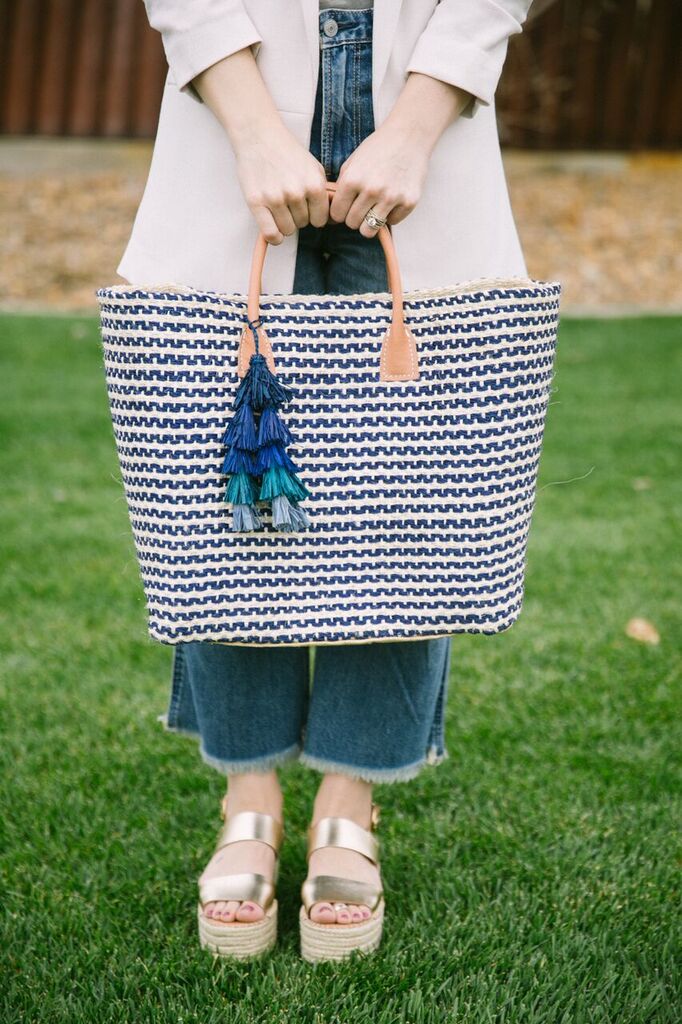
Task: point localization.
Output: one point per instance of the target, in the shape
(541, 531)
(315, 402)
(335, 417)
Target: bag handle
(398, 348)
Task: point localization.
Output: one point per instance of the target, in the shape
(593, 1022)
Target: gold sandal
(242, 939)
(337, 941)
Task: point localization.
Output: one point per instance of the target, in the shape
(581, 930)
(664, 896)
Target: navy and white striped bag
(330, 468)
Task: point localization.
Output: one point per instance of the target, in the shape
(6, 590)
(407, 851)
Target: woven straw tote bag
(330, 468)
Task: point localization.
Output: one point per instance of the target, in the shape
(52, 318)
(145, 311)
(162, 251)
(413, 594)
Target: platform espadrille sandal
(242, 939)
(337, 941)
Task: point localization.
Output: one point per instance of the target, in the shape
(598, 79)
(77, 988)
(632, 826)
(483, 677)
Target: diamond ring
(373, 220)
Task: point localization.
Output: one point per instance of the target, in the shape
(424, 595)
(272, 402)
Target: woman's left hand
(385, 172)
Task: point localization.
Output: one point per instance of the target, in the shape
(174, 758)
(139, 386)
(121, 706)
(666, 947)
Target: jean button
(330, 27)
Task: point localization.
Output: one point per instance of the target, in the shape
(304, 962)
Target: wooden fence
(584, 74)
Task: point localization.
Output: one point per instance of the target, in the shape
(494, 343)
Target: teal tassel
(280, 481)
(259, 467)
(241, 489)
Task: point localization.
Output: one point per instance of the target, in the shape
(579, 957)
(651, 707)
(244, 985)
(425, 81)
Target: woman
(399, 112)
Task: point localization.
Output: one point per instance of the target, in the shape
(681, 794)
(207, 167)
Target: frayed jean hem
(254, 764)
(320, 764)
(375, 775)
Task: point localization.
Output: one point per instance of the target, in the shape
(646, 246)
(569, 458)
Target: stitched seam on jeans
(179, 679)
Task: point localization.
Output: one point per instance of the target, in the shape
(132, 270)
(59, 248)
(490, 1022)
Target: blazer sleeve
(465, 43)
(198, 33)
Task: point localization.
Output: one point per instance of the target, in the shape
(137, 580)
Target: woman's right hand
(283, 184)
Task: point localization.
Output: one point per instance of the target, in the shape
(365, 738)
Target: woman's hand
(387, 170)
(283, 184)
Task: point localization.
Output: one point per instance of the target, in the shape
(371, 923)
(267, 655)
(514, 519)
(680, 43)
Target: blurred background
(534, 875)
(590, 116)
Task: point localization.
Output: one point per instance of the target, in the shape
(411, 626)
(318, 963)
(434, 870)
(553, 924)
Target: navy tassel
(271, 428)
(257, 464)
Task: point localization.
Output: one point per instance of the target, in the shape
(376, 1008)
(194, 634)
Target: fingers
(352, 202)
(282, 215)
(318, 206)
(266, 224)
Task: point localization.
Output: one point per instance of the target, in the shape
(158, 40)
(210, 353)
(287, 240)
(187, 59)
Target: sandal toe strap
(328, 888)
(245, 886)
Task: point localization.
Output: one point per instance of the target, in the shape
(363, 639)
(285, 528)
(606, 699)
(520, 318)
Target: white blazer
(193, 226)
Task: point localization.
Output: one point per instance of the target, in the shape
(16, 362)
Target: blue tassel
(257, 450)
(286, 516)
(238, 460)
(273, 455)
(241, 433)
(259, 385)
(245, 518)
(271, 428)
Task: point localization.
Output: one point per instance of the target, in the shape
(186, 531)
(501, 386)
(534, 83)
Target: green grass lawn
(533, 877)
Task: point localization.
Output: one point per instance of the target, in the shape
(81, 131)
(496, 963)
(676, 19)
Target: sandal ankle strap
(251, 825)
(343, 832)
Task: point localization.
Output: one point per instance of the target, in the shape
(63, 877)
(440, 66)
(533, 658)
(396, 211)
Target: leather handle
(398, 348)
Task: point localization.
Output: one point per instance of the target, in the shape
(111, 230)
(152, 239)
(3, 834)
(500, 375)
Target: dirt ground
(609, 227)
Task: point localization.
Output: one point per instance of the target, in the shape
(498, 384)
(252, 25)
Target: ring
(373, 220)
(340, 906)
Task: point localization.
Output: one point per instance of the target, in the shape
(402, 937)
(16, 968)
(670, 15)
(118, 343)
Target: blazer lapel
(384, 22)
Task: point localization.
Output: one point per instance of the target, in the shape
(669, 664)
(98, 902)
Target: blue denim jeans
(374, 711)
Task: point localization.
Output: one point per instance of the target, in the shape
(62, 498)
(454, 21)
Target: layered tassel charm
(257, 464)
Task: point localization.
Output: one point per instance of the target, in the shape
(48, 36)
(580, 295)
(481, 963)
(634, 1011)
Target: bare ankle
(343, 796)
(254, 791)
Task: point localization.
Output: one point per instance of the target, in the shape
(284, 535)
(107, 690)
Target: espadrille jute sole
(240, 939)
(337, 941)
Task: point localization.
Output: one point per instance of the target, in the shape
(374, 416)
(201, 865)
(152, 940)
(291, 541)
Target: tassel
(241, 489)
(286, 516)
(271, 428)
(259, 467)
(273, 455)
(238, 460)
(245, 518)
(279, 481)
(241, 432)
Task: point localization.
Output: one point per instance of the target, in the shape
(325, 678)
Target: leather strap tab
(247, 347)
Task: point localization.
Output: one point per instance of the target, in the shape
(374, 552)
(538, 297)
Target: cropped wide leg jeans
(373, 711)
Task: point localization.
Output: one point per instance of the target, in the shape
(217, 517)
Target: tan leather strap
(345, 833)
(251, 825)
(398, 349)
(327, 888)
